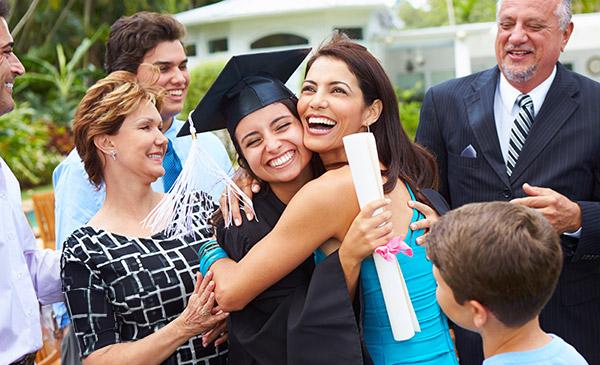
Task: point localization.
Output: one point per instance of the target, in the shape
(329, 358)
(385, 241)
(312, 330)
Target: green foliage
(201, 77)
(409, 116)
(585, 6)
(62, 85)
(409, 104)
(25, 146)
(436, 13)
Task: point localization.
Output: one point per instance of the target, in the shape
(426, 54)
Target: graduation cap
(247, 83)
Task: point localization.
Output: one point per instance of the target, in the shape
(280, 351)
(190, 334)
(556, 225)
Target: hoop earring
(113, 154)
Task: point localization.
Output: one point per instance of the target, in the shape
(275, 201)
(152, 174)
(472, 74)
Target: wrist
(178, 330)
(209, 253)
(576, 222)
(348, 259)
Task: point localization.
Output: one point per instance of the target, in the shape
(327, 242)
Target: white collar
(508, 93)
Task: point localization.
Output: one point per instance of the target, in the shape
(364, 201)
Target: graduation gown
(305, 318)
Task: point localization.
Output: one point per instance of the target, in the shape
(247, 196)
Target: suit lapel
(480, 112)
(556, 110)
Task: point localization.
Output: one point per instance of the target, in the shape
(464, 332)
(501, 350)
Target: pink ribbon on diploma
(394, 246)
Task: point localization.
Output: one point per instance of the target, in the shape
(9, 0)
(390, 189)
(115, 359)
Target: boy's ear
(479, 312)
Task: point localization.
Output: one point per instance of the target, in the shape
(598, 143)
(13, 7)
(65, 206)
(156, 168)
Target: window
(278, 40)
(411, 81)
(218, 45)
(190, 50)
(352, 33)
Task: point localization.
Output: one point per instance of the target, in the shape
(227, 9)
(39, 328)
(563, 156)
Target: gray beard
(519, 76)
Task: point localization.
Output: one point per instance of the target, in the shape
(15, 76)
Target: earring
(368, 128)
(113, 154)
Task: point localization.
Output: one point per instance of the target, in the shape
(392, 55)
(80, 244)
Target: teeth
(178, 92)
(282, 159)
(8, 85)
(323, 121)
(155, 155)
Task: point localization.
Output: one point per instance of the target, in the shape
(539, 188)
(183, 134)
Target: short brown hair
(505, 256)
(131, 37)
(103, 110)
(4, 9)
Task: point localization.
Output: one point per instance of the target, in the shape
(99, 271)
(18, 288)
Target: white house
(414, 59)
(232, 27)
(425, 57)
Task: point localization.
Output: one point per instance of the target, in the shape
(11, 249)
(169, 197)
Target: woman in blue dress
(347, 91)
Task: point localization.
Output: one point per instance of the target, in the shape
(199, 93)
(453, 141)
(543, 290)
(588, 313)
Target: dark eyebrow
(168, 63)
(331, 83)
(277, 119)
(247, 136)
(340, 82)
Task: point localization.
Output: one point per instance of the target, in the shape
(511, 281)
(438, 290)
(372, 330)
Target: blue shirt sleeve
(76, 199)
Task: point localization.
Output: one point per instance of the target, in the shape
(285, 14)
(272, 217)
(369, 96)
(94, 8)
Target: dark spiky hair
(4, 9)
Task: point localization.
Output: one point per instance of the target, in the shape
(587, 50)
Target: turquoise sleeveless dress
(433, 345)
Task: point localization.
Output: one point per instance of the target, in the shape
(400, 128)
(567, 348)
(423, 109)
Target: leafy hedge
(25, 145)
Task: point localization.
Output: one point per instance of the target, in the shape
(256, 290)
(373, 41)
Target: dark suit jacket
(562, 152)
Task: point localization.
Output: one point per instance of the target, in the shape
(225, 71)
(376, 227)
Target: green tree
(435, 12)
(65, 82)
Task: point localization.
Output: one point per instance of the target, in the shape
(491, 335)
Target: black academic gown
(305, 318)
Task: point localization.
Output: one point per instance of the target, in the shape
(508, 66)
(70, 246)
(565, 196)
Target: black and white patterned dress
(121, 289)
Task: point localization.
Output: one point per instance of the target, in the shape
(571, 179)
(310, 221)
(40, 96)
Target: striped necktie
(172, 166)
(519, 131)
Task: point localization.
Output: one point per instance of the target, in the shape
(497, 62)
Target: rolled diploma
(366, 175)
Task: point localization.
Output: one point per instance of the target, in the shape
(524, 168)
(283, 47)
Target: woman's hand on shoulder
(368, 231)
(249, 186)
(199, 317)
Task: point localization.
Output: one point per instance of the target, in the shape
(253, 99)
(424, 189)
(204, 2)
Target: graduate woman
(251, 101)
(346, 91)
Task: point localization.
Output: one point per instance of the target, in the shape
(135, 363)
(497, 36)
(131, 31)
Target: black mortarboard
(247, 83)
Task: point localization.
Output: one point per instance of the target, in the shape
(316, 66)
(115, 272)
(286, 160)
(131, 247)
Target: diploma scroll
(366, 175)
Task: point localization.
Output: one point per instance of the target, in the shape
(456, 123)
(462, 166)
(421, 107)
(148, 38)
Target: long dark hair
(403, 158)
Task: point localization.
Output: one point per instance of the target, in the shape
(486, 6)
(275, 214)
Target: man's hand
(249, 186)
(563, 213)
(431, 217)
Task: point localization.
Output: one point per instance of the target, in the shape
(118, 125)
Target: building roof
(235, 9)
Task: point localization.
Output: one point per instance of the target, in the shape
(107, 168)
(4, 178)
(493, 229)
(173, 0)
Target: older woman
(135, 298)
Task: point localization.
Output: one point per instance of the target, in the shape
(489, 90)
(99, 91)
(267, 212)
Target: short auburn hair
(131, 37)
(506, 256)
(103, 110)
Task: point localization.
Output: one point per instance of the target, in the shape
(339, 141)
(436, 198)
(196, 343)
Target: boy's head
(494, 258)
(156, 39)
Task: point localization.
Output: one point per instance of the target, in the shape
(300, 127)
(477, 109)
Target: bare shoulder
(331, 187)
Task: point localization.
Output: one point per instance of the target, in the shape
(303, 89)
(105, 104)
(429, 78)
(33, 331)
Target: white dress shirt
(506, 108)
(27, 275)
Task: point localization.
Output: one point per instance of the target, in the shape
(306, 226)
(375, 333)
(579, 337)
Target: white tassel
(173, 213)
